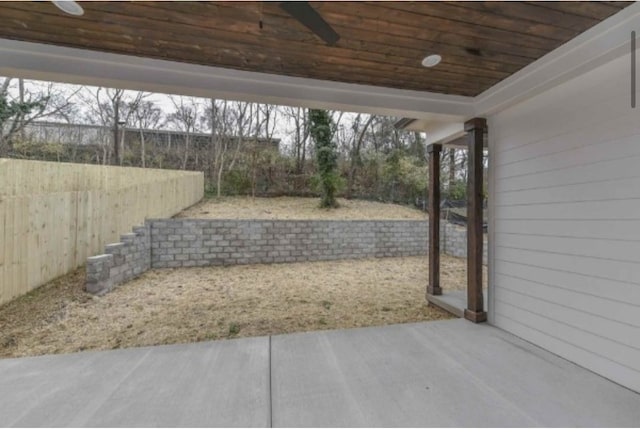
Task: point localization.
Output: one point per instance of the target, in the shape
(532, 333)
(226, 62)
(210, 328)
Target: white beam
(439, 131)
(79, 66)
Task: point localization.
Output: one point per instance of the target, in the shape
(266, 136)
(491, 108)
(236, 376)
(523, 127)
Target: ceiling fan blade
(311, 19)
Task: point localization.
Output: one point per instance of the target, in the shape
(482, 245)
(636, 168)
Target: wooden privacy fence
(53, 215)
(25, 177)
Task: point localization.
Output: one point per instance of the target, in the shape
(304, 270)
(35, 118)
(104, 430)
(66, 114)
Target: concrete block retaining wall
(167, 243)
(188, 243)
(453, 241)
(121, 262)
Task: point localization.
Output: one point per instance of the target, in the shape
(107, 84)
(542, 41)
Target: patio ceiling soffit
(443, 115)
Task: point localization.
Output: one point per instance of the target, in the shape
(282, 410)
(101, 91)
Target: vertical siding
(566, 222)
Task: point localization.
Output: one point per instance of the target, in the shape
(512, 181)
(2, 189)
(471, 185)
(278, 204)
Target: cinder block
(100, 259)
(110, 248)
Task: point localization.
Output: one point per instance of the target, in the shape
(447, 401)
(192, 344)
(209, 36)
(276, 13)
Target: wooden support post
(434, 219)
(475, 129)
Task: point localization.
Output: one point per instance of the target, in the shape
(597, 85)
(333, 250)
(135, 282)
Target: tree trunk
(219, 179)
(143, 155)
(303, 159)
(254, 173)
(21, 90)
(452, 168)
(116, 120)
(355, 157)
(298, 144)
(122, 133)
(186, 151)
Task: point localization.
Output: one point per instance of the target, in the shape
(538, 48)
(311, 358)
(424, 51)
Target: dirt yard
(296, 208)
(196, 304)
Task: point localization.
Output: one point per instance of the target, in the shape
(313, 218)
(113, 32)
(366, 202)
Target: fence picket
(54, 215)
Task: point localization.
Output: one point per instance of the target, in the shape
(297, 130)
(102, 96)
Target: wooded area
(242, 148)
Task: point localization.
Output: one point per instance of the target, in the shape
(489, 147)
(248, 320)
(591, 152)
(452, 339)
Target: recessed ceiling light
(69, 6)
(431, 60)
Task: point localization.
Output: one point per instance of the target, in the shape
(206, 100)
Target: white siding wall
(566, 222)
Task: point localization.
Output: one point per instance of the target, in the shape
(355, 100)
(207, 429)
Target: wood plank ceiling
(381, 44)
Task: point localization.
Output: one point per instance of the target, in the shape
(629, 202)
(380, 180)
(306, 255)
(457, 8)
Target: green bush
(404, 178)
(333, 181)
(236, 182)
(457, 191)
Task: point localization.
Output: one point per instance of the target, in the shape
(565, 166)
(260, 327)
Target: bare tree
(114, 108)
(300, 119)
(115, 96)
(130, 107)
(359, 131)
(186, 115)
(21, 107)
(217, 118)
(148, 116)
(452, 168)
(233, 124)
(336, 119)
(257, 149)
(241, 119)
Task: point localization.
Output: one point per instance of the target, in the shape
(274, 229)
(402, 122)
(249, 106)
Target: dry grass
(188, 305)
(295, 208)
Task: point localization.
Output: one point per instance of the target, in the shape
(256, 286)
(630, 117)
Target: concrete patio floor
(444, 373)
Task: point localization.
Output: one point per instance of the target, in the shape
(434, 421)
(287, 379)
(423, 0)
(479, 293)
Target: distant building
(102, 136)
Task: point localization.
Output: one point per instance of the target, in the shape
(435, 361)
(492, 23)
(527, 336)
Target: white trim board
(80, 66)
(443, 114)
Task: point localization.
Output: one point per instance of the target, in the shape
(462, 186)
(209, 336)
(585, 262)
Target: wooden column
(475, 129)
(434, 219)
